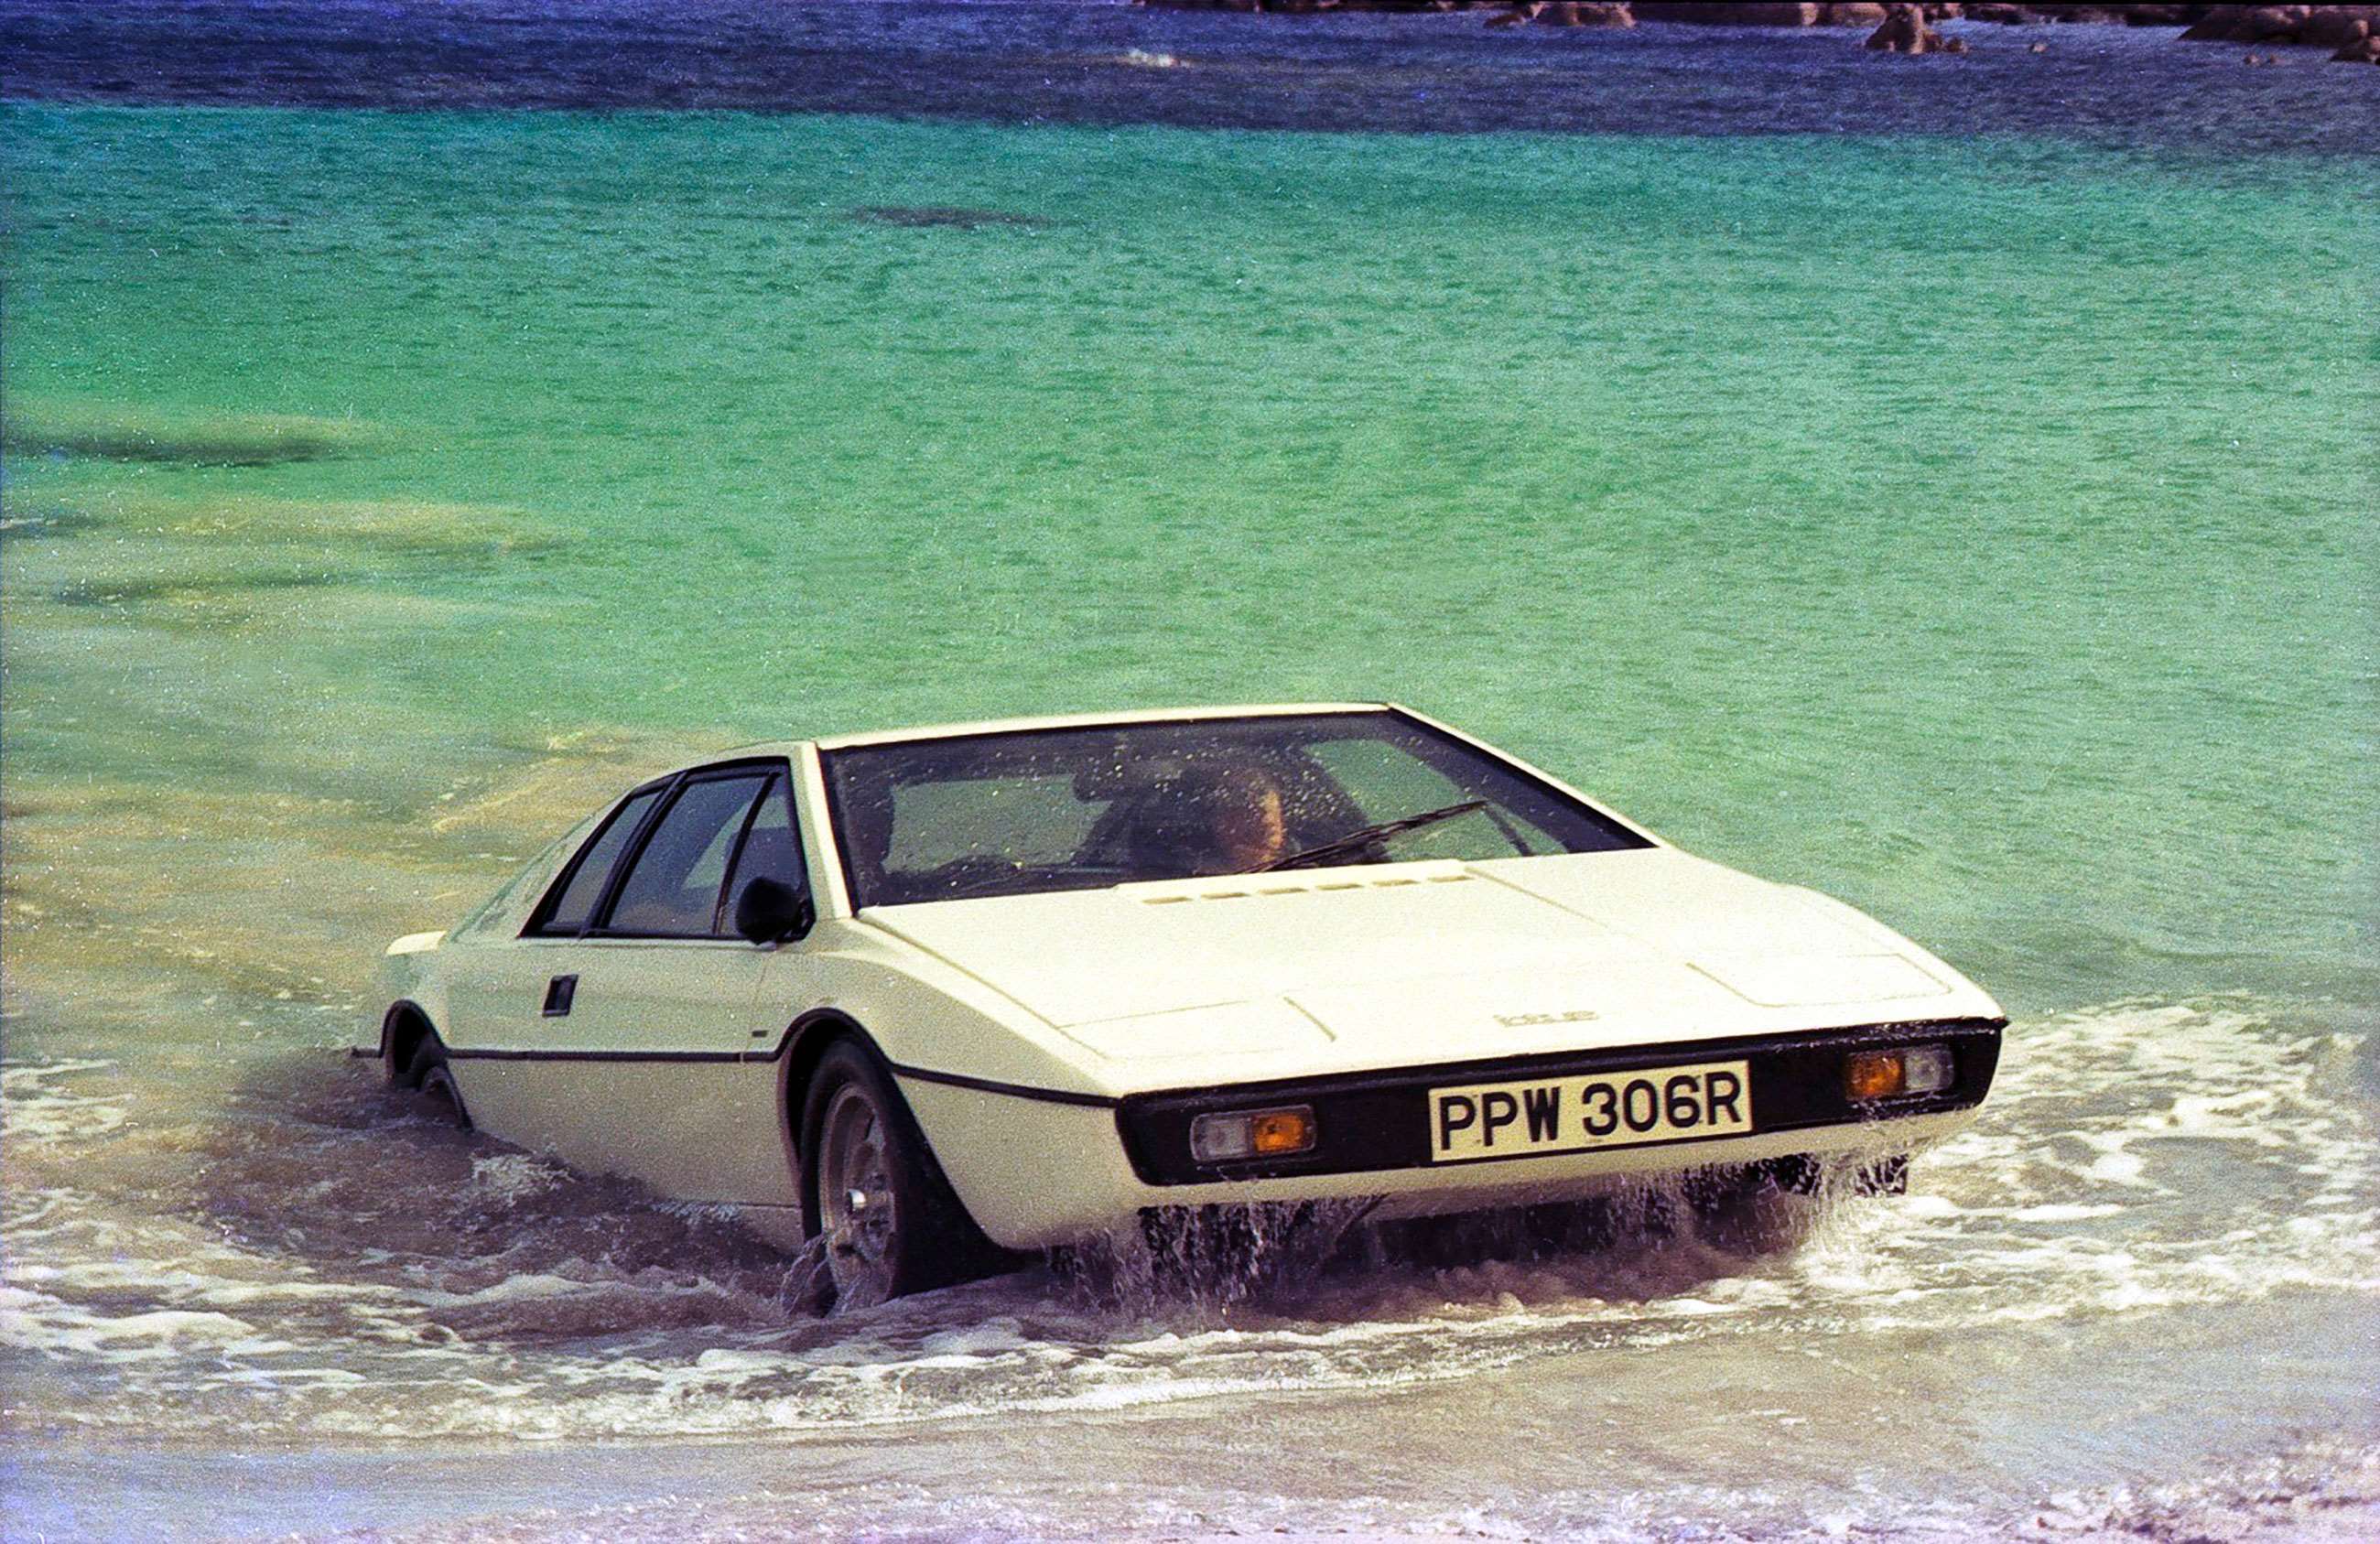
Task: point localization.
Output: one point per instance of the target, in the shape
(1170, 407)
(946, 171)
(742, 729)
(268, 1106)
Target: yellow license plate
(1595, 1110)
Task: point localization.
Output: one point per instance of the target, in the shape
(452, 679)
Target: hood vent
(1310, 882)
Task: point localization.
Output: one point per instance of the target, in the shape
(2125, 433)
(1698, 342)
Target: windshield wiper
(1369, 836)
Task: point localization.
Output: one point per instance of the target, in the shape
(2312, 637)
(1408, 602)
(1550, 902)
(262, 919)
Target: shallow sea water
(1974, 527)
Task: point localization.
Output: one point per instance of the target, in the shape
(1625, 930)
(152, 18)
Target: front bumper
(1034, 1174)
(1378, 1122)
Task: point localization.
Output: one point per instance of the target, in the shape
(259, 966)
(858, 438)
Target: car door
(499, 1025)
(637, 1060)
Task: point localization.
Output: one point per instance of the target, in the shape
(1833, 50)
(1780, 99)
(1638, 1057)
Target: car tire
(1886, 1176)
(1756, 1208)
(889, 1222)
(429, 1075)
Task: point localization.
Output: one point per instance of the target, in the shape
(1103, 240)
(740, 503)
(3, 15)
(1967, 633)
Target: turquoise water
(1981, 532)
(1978, 530)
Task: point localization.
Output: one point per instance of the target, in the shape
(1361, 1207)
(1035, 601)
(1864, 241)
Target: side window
(567, 911)
(673, 884)
(770, 851)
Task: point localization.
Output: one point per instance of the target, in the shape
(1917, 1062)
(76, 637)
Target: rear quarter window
(567, 911)
(508, 911)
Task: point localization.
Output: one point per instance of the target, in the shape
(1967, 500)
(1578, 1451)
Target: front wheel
(430, 1076)
(890, 1221)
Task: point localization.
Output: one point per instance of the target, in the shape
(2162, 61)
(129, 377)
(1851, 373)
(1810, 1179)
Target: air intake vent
(1257, 887)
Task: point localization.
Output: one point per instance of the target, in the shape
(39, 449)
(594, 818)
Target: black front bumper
(1380, 1120)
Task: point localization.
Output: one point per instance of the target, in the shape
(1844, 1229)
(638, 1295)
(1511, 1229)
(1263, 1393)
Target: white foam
(2134, 1157)
(515, 1176)
(35, 1107)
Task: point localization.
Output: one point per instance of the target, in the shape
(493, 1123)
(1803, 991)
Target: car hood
(1380, 964)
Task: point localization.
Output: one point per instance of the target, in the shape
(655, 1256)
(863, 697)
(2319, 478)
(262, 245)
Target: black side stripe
(1013, 1090)
(923, 1075)
(456, 1054)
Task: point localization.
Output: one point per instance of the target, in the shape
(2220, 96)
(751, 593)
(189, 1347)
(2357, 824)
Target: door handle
(558, 993)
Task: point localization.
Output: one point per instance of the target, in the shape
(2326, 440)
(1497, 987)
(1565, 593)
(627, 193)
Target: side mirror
(771, 911)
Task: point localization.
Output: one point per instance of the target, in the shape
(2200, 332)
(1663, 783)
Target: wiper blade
(1369, 836)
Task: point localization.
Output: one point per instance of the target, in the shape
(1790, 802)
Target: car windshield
(1080, 808)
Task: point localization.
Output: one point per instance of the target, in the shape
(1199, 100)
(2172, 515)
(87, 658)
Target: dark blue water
(1061, 61)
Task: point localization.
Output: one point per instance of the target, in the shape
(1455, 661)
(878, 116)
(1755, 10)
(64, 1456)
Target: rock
(2215, 26)
(2006, 15)
(2365, 51)
(1527, 11)
(1294, 6)
(920, 216)
(1732, 15)
(2272, 23)
(1583, 13)
(1854, 16)
(1904, 32)
(2333, 29)
(2252, 24)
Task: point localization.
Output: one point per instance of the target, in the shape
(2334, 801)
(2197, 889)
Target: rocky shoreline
(2351, 32)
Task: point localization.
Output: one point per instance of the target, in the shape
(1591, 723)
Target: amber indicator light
(1237, 1134)
(1873, 1074)
(1283, 1131)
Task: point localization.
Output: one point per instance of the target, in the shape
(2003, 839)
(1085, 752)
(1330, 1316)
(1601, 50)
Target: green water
(1981, 532)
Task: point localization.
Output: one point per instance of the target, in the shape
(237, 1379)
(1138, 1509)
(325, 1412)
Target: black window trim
(718, 918)
(772, 768)
(776, 768)
(540, 920)
(1637, 840)
(1530, 777)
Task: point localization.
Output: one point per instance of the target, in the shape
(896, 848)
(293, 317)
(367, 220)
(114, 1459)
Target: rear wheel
(890, 1221)
(429, 1075)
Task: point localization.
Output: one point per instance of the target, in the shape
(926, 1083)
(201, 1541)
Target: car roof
(1079, 721)
(1011, 725)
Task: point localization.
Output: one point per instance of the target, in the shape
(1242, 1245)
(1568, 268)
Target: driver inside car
(1245, 810)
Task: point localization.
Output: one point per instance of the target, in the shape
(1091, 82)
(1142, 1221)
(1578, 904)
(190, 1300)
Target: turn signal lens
(1252, 1133)
(1920, 1069)
(1283, 1131)
(1873, 1074)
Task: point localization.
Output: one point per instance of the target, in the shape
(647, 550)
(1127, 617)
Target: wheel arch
(807, 1041)
(803, 1050)
(402, 1031)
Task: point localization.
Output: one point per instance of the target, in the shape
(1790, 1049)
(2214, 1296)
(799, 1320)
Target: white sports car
(1028, 982)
